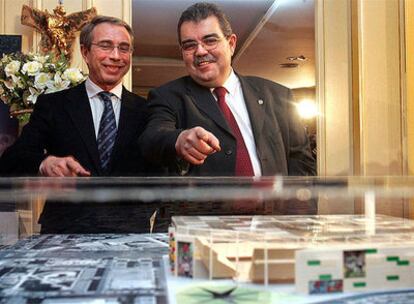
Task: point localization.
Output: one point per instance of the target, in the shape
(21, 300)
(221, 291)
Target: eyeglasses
(107, 47)
(209, 44)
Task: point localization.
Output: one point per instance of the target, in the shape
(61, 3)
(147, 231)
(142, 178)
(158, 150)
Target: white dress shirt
(235, 101)
(97, 105)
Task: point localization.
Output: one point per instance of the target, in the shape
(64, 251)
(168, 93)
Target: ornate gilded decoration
(57, 29)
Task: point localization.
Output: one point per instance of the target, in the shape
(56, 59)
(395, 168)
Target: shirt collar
(231, 84)
(93, 89)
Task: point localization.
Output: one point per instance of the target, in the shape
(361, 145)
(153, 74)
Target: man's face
(209, 63)
(106, 66)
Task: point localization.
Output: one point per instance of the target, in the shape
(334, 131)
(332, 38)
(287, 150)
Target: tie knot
(105, 96)
(220, 92)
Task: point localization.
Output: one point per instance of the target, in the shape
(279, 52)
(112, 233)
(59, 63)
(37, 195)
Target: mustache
(206, 58)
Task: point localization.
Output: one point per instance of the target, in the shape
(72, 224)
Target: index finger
(77, 168)
(209, 138)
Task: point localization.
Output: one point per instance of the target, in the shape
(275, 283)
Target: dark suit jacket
(61, 125)
(281, 142)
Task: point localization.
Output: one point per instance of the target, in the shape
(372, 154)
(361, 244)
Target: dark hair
(203, 10)
(86, 33)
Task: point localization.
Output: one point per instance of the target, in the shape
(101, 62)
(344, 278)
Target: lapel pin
(260, 101)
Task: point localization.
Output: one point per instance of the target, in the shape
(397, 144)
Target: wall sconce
(307, 109)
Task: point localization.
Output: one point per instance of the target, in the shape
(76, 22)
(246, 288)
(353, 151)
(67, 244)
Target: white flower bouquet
(23, 77)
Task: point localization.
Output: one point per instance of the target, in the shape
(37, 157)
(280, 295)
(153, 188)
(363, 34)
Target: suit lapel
(205, 101)
(79, 110)
(256, 107)
(126, 123)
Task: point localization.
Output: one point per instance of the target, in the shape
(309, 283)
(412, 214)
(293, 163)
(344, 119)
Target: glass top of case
(150, 189)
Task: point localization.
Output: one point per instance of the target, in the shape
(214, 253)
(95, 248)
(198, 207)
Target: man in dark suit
(89, 130)
(61, 137)
(215, 122)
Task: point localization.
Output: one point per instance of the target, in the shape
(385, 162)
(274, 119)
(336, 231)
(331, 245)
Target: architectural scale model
(396, 296)
(321, 253)
(100, 268)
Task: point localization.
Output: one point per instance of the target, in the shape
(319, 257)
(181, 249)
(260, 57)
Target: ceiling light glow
(307, 109)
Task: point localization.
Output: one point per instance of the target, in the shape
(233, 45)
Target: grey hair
(86, 36)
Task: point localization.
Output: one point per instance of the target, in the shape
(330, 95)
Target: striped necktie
(107, 131)
(243, 163)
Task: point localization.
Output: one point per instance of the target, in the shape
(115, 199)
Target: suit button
(229, 152)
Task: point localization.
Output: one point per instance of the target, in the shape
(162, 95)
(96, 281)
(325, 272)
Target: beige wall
(10, 11)
(361, 91)
(10, 21)
(382, 103)
(333, 93)
(380, 97)
(360, 87)
(409, 38)
(334, 87)
(409, 66)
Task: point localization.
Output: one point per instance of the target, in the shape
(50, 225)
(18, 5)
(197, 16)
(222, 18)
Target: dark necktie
(243, 163)
(107, 131)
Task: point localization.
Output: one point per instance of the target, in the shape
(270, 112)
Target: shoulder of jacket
(176, 84)
(133, 96)
(259, 81)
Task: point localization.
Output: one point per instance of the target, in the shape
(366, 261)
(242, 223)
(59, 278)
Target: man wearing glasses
(215, 122)
(89, 130)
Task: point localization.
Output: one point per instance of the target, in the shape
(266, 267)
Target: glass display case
(192, 240)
